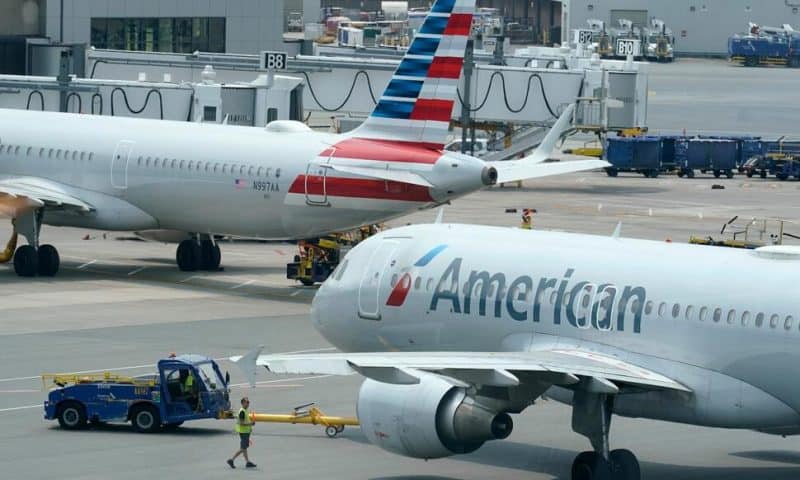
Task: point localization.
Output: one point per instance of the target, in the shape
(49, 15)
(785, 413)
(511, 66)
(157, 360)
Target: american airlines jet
(281, 182)
(456, 327)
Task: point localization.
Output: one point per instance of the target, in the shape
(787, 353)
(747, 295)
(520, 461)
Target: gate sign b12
(583, 37)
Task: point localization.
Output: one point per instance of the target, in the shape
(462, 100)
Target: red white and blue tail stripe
(417, 105)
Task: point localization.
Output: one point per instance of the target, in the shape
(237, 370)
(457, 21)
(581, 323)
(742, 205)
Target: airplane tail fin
(417, 105)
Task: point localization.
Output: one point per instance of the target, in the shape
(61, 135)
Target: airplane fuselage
(723, 322)
(208, 178)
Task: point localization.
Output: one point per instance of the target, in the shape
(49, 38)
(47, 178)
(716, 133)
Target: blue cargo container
(635, 154)
(714, 155)
(747, 146)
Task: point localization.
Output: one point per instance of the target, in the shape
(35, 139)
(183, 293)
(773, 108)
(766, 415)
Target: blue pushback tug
(150, 402)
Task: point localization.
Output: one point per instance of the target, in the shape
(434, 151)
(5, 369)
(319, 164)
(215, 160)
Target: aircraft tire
(590, 466)
(26, 261)
(188, 256)
(49, 261)
(624, 465)
(211, 255)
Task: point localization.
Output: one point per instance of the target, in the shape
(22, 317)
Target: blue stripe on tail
(393, 109)
(404, 88)
(443, 6)
(434, 25)
(424, 46)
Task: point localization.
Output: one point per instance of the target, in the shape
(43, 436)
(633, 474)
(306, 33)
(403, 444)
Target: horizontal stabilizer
(524, 171)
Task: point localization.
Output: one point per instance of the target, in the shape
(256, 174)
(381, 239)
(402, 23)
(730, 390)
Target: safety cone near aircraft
(281, 182)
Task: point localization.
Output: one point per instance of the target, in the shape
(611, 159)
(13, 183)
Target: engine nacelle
(431, 419)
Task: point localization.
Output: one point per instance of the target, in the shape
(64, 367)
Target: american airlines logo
(581, 304)
(400, 291)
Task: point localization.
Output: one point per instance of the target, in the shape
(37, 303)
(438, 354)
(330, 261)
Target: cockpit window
(340, 270)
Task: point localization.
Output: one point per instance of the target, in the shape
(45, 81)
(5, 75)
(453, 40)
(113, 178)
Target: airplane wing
(502, 369)
(19, 194)
(532, 166)
(403, 176)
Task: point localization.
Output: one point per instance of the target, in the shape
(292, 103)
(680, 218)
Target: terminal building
(700, 27)
(249, 26)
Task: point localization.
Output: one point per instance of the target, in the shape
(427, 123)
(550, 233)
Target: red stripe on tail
(386, 150)
(445, 67)
(432, 109)
(459, 24)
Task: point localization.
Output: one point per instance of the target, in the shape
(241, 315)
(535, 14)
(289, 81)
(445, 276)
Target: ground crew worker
(244, 426)
(188, 387)
(527, 218)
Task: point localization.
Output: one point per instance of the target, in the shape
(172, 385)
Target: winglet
(617, 231)
(545, 149)
(439, 216)
(247, 364)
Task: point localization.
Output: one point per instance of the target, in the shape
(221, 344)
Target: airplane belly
(210, 206)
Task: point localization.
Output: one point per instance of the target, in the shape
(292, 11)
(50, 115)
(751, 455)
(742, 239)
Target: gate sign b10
(273, 60)
(627, 47)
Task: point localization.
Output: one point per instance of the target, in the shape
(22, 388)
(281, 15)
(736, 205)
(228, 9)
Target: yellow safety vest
(243, 427)
(188, 383)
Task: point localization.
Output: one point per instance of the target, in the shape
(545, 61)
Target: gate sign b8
(273, 60)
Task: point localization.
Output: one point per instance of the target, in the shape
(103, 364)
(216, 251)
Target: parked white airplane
(458, 326)
(282, 182)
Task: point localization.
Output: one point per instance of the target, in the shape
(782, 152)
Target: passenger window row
(49, 153)
(207, 167)
(717, 314)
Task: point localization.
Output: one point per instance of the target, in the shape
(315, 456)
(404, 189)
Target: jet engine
(431, 419)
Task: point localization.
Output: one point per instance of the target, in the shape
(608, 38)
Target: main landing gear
(200, 253)
(591, 417)
(30, 260)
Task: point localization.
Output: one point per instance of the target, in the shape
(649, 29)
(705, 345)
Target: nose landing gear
(591, 417)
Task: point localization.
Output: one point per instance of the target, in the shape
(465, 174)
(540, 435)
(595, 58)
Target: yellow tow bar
(7, 254)
(307, 414)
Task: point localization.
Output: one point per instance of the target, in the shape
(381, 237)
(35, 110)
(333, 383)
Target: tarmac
(121, 304)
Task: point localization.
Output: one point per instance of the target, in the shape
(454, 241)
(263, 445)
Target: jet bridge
(530, 91)
(251, 103)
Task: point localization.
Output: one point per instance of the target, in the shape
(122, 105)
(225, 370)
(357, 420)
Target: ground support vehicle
(752, 233)
(318, 258)
(149, 402)
(758, 165)
(765, 47)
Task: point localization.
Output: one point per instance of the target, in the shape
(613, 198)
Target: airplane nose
(489, 176)
(318, 307)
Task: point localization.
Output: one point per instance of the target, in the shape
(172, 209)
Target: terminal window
(177, 35)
